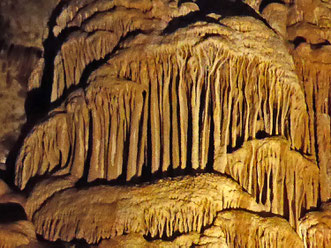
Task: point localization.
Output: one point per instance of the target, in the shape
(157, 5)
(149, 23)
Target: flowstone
(161, 123)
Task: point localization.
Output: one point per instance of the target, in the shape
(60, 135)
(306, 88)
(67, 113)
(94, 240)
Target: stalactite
(65, 137)
(227, 230)
(86, 32)
(162, 208)
(75, 55)
(313, 68)
(156, 88)
(276, 175)
(244, 81)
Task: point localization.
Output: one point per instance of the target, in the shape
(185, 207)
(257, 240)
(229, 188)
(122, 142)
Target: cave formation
(165, 123)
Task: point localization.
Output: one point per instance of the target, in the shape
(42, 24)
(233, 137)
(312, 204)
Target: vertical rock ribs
(200, 97)
(151, 87)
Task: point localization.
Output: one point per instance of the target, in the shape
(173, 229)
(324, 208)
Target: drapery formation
(183, 103)
(282, 179)
(149, 89)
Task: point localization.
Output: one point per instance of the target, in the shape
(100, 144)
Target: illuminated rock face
(315, 227)
(179, 124)
(172, 104)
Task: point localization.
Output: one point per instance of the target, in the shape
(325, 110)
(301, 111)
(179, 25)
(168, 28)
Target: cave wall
(165, 123)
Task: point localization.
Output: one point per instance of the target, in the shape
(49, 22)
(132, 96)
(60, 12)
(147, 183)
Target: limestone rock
(161, 123)
(7, 195)
(276, 16)
(183, 86)
(136, 240)
(24, 22)
(315, 227)
(313, 67)
(160, 209)
(16, 64)
(18, 234)
(244, 229)
(277, 176)
(230, 228)
(308, 29)
(4, 188)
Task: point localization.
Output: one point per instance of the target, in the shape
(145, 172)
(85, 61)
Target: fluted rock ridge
(168, 206)
(201, 92)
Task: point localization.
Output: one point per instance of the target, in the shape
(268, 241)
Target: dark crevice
(147, 167)
(271, 187)
(286, 212)
(126, 148)
(298, 40)
(265, 3)
(264, 189)
(189, 137)
(225, 8)
(56, 244)
(184, 21)
(11, 212)
(262, 135)
(87, 162)
(262, 214)
(38, 101)
(315, 126)
(320, 45)
(211, 147)
(163, 237)
(95, 14)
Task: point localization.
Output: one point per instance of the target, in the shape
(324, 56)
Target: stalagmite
(168, 206)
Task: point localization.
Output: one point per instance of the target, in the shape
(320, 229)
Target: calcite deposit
(315, 227)
(18, 234)
(167, 123)
(161, 209)
(282, 179)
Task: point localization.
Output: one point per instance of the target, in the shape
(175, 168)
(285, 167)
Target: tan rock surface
(159, 209)
(18, 234)
(147, 91)
(277, 176)
(230, 228)
(136, 240)
(315, 227)
(308, 28)
(244, 229)
(167, 113)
